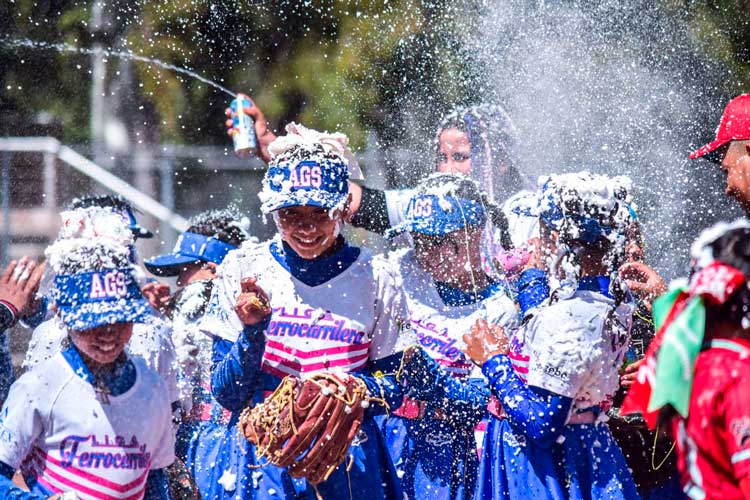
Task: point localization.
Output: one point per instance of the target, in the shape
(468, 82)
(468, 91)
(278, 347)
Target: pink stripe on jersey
(318, 352)
(79, 488)
(41, 458)
(312, 367)
(520, 369)
(518, 356)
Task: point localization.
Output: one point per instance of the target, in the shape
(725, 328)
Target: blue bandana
(87, 300)
(314, 183)
(190, 248)
(439, 215)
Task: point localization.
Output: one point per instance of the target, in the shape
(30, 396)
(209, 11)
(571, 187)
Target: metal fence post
(166, 188)
(5, 158)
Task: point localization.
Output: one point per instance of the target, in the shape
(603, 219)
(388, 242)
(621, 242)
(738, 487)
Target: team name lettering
(444, 347)
(306, 176)
(110, 285)
(119, 455)
(335, 332)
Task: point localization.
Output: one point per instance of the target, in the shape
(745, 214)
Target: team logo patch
(306, 175)
(741, 431)
(108, 286)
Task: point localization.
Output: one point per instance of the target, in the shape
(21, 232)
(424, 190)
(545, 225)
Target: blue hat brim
(169, 264)
(90, 315)
(305, 199)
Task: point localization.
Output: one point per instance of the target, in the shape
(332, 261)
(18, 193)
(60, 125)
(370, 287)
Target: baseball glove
(307, 425)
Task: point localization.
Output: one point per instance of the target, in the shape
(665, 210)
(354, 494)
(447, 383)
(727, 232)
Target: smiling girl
(330, 308)
(91, 422)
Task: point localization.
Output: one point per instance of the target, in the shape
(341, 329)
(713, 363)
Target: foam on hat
(336, 142)
(90, 238)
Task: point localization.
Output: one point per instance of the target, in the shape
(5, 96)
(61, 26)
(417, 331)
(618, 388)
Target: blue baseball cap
(435, 215)
(190, 248)
(87, 300)
(319, 182)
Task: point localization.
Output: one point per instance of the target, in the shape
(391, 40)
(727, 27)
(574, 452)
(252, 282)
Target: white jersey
(336, 326)
(440, 327)
(193, 348)
(570, 348)
(151, 341)
(59, 433)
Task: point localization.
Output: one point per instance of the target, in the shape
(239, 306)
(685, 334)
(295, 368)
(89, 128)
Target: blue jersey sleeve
(157, 486)
(426, 380)
(536, 413)
(236, 367)
(10, 491)
(533, 289)
(381, 383)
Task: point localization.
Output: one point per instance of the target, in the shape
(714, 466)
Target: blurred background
(610, 86)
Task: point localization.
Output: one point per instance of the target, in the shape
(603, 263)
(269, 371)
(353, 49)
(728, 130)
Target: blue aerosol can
(243, 127)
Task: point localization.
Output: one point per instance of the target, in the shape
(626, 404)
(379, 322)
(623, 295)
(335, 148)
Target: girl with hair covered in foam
(432, 436)
(331, 309)
(91, 422)
(557, 374)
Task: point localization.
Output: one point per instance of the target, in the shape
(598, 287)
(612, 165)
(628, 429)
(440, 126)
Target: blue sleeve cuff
(533, 289)
(495, 366)
(37, 317)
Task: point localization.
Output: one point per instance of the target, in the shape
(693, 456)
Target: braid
(498, 219)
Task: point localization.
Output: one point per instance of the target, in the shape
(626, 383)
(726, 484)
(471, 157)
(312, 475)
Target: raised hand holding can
(243, 127)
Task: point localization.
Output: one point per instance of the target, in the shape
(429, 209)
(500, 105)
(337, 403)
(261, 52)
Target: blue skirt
(512, 468)
(433, 458)
(586, 465)
(199, 445)
(594, 466)
(228, 469)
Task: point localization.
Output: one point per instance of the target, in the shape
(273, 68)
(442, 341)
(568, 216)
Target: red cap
(734, 126)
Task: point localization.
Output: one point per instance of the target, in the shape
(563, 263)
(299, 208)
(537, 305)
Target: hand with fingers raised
(643, 281)
(262, 131)
(253, 304)
(18, 286)
(484, 341)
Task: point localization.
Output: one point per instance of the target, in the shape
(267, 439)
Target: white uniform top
(569, 348)
(55, 426)
(151, 341)
(440, 327)
(336, 326)
(523, 223)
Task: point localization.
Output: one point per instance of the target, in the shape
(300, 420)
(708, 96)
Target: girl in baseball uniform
(91, 422)
(327, 307)
(432, 436)
(556, 375)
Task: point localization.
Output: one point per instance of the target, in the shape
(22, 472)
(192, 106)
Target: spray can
(243, 127)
